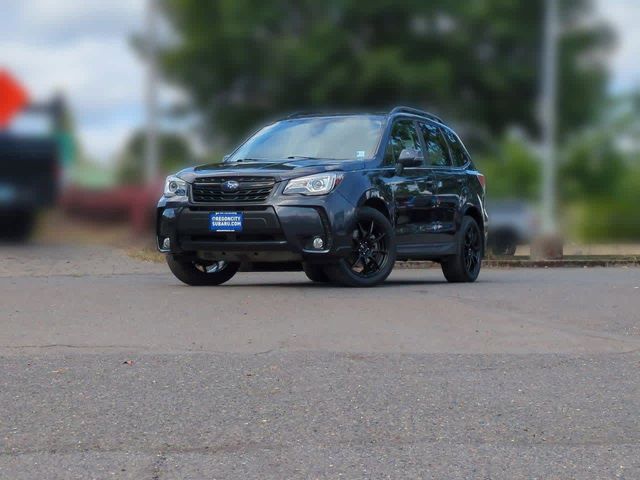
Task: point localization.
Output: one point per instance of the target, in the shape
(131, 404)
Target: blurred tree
(600, 174)
(175, 154)
(614, 217)
(246, 60)
(512, 169)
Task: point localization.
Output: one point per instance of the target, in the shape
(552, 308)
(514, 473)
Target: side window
(458, 152)
(437, 153)
(403, 135)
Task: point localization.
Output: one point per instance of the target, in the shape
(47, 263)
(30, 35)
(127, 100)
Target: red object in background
(133, 203)
(13, 98)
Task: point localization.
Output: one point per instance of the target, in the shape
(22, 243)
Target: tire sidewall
(467, 223)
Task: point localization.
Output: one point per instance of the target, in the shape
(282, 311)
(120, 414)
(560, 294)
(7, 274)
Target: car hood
(279, 170)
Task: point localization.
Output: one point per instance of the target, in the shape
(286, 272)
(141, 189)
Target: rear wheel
(315, 273)
(465, 265)
(373, 252)
(201, 272)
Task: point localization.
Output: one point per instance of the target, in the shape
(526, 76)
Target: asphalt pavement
(110, 368)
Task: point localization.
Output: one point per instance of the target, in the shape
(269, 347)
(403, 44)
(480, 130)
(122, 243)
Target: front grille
(251, 189)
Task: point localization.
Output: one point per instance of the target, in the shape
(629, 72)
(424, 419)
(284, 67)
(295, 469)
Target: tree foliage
(175, 153)
(477, 61)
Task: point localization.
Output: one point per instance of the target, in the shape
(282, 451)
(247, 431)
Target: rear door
(452, 180)
(438, 161)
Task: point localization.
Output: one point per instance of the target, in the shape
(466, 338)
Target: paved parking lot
(110, 368)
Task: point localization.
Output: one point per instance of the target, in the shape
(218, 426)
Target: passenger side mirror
(409, 157)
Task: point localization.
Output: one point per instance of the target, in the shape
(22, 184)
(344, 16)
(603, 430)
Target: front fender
(374, 195)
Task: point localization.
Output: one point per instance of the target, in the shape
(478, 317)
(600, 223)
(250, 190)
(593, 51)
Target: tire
(504, 243)
(315, 273)
(465, 265)
(373, 254)
(17, 227)
(197, 273)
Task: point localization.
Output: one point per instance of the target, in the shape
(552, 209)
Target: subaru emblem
(230, 186)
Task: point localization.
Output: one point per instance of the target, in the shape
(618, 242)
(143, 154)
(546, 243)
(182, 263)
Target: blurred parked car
(513, 223)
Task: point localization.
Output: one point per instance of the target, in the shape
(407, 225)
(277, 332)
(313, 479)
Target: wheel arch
(474, 212)
(374, 199)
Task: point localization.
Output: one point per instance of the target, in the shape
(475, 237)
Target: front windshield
(331, 138)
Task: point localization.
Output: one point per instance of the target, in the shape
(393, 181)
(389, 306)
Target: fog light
(166, 243)
(318, 243)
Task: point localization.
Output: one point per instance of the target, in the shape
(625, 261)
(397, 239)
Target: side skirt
(432, 251)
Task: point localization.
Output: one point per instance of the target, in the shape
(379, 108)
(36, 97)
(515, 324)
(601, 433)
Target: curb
(525, 263)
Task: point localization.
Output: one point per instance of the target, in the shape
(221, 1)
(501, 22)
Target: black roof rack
(410, 110)
(299, 114)
(329, 113)
(416, 111)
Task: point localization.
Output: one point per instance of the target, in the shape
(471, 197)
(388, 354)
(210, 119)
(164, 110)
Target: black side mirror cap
(409, 157)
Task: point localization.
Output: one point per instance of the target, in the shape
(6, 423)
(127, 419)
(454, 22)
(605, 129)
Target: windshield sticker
(360, 154)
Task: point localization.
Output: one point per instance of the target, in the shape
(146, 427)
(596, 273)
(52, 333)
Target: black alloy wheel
(370, 249)
(372, 255)
(472, 249)
(465, 265)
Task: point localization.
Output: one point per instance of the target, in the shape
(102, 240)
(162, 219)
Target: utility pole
(548, 117)
(151, 100)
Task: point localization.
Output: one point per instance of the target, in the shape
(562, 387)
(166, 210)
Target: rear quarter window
(459, 154)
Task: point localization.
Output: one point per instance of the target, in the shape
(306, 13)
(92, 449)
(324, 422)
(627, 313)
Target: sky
(83, 49)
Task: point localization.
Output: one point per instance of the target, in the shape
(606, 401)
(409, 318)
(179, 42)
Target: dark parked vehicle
(341, 196)
(513, 223)
(28, 183)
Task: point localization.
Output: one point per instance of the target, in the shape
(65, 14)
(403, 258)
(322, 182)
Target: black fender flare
(375, 196)
(478, 215)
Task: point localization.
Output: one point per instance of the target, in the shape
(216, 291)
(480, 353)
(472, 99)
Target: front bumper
(280, 231)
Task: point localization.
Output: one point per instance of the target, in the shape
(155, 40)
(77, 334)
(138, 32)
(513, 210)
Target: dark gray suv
(340, 196)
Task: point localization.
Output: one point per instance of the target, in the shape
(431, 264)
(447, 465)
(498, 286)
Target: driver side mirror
(409, 157)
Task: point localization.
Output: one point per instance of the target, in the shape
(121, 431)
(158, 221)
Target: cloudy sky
(82, 48)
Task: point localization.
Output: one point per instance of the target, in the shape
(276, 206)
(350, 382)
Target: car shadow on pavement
(333, 286)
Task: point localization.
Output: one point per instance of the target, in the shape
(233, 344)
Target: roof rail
(300, 114)
(416, 111)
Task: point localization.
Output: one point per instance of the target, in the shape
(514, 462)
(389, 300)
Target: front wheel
(200, 272)
(465, 265)
(373, 252)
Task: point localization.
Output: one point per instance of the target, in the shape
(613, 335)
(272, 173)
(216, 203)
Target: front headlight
(175, 187)
(319, 184)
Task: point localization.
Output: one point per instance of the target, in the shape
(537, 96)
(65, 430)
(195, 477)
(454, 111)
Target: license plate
(226, 221)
